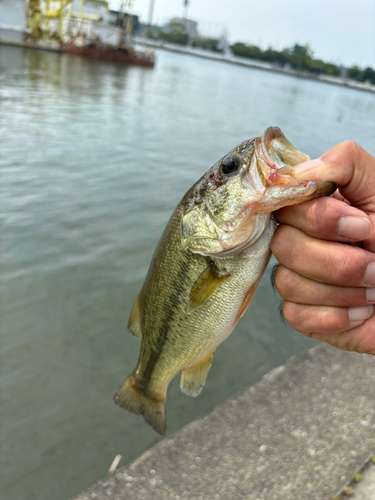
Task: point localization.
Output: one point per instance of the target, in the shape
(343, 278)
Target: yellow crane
(127, 4)
(38, 19)
(41, 12)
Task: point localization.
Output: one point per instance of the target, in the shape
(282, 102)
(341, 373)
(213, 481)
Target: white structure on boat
(81, 27)
(12, 20)
(96, 10)
(85, 21)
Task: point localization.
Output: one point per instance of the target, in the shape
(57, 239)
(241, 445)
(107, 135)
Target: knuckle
(348, 150)
(350, 147)
(281, 242)
(331, 322)
(277, 242)
(290, 313)
(284, 282)
(342, 270)
(314, 216)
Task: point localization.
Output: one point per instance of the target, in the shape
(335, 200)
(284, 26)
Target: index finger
(352, 169)
(327, 219)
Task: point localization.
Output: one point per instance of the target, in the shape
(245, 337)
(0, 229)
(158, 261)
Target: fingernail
(354, 228)
(370, 295)
(357, 314)
(307, 166)
(370, 275)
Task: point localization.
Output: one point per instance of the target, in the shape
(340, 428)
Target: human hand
(327, 286)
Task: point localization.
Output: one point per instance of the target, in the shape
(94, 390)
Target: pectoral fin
(205, 286)
(134, 324)
(193, 379)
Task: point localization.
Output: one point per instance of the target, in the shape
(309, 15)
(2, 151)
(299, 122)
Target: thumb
(352, 169)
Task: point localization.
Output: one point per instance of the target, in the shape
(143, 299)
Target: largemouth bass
(207, 266)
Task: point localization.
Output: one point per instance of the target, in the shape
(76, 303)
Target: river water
(94, 157)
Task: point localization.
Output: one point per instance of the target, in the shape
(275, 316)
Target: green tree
(368, 75)
(175, 33)
(353, 72)
(300, 58)
(276, 57)
(331, 69)
(241, 50)
(212, 44)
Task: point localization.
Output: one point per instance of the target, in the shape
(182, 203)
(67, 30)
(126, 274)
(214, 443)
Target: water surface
(94, 157)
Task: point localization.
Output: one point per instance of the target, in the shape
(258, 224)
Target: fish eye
(230, 165)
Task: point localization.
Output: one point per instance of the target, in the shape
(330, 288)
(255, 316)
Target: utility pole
(186, 7)
(150, 13)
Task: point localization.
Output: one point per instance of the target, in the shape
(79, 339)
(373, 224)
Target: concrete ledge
(300, 433)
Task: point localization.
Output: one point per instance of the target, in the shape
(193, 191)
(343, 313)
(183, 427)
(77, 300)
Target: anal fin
(194, 378)
(134, 324)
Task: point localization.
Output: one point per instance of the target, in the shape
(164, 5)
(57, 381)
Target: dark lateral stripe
(170, 309)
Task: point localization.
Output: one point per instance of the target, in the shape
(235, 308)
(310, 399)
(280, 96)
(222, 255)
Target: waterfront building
(190, 26)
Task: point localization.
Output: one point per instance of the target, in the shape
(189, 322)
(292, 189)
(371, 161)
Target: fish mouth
(275, 159)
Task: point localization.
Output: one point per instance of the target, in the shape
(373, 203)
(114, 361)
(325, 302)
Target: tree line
(176, 33)
(299, 57)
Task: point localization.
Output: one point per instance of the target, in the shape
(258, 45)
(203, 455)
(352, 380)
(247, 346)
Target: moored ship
(80, 27)
(121, 54)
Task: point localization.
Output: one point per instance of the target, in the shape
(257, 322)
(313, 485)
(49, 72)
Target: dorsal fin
(205, 286)
(134, 324)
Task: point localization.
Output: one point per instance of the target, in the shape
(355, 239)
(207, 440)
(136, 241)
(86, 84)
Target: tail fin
(131, 397)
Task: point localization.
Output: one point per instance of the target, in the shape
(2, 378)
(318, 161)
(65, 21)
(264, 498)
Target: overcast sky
(341, 31)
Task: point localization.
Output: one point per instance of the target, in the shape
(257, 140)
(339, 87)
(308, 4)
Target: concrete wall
(298, 434)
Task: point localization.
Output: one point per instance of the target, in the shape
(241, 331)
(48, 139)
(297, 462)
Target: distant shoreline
(250, 63)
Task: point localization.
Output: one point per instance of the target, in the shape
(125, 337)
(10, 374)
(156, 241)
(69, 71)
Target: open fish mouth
(278, 150)
(276, 157)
